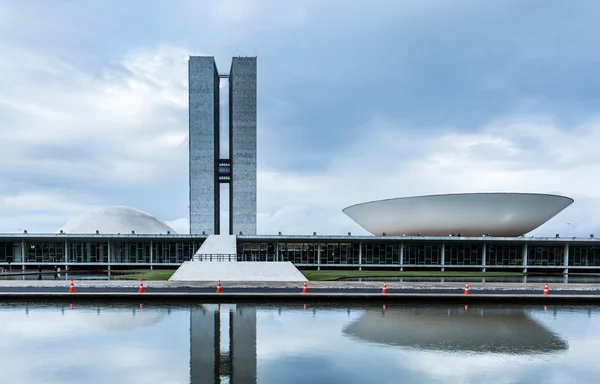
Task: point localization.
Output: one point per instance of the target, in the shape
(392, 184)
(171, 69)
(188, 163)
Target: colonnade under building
(361, 252)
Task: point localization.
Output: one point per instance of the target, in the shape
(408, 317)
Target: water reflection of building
(207, 362)
(494, 330)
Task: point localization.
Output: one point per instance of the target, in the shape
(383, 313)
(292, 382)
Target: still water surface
(131, 343)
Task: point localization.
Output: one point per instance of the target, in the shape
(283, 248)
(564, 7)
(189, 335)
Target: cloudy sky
(356, 102)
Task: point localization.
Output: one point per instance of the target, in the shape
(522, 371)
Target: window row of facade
(98, 252)
(455, 254)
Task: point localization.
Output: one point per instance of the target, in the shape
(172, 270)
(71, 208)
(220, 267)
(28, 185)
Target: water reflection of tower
(207, 363)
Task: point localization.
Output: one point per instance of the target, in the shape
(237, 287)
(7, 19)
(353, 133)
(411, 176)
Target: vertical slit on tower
(217, 145)
(231, 181)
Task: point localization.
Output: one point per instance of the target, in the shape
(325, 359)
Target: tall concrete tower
(208, 168)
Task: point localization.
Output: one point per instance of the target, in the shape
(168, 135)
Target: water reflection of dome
(481, 330)
(121, 320)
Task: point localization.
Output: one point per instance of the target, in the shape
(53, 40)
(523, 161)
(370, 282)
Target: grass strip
(143, 274)
(325, 275)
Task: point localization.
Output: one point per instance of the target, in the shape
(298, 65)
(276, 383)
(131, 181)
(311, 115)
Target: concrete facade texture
(203, 81)
(204, 146)
(242, 145)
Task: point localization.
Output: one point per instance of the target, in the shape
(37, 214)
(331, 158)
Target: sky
(356, 102)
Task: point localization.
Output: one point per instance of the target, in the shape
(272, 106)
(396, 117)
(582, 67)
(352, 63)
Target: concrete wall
(203, 144)
(242, 145)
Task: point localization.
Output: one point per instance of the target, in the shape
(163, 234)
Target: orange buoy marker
(305, 289)
(384, 289)
(466, 288)
(545, 289)
(219, 289)
(141, 290)
(71, 287)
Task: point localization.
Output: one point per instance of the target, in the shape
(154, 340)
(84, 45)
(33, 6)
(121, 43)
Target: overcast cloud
(356, 102)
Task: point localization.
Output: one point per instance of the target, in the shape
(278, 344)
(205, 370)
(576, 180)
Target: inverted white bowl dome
(487, 330)
(468, 214)
(113, 220)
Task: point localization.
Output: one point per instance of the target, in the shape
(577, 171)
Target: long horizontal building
(124, 237)
(310, 251)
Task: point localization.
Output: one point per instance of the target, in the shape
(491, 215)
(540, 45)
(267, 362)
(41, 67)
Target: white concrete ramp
(237, 271)
(218, 245)
(212, 262)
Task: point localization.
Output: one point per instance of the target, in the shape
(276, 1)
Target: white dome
(114, 220)
(470, 214)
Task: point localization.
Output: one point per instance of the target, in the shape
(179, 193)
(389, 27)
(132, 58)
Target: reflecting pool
(210, 343)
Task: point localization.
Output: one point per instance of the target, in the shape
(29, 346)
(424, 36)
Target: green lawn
(143, 274)
(335, 274)
(312, 275)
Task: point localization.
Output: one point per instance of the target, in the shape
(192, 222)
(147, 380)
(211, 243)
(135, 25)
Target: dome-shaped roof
(470, 214)
(114, 220)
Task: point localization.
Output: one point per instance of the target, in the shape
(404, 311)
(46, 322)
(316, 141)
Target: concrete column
(401, 257)
(483, 257)
(67, 255)
(109, 256)
(151, 254)
(360, 256)
(443, 256)
(525, 258)
(23, 255)
(319, 256)
(566, 259)
(277, 251)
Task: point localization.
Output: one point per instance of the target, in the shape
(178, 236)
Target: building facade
(316, 252)
(209, 168)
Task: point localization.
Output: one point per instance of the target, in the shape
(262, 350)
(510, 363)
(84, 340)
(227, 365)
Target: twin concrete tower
(209, 168)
